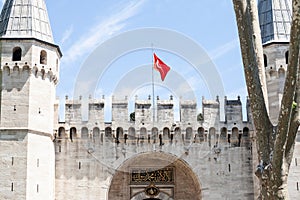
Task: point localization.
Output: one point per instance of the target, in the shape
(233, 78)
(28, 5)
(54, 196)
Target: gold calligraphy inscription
(165, 175)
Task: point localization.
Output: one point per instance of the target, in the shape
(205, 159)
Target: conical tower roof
(25, 19)
(275, 17)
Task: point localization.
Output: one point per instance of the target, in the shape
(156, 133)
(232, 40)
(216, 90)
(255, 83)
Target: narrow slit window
(57, 65)
(265, 60)
(287, 57)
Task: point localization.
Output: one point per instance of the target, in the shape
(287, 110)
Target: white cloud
(102, 30)
(225, 48)
(66, 35)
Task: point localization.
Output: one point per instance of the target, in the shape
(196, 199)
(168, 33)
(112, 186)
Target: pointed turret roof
(25, 19)
(275, 17)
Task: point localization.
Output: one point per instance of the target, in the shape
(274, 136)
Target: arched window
(154, 135)
(73, 133)
(265, 60)
(212, 140)
(166, 133)
(43, 57)
(96, 132)
(143, 134)
(131, 134)
(281, 73)
(177, 134)
(223, 135)
(119, 135)
(188, 134)
(287, 57)
(235, 138)
(108, 134)
(201, 134)
(17, 54)
(246, 132)
(6, 70)
(61, 132)
(84, 133)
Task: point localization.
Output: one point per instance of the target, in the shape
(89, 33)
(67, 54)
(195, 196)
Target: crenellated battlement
(191, 125)
(15, 76)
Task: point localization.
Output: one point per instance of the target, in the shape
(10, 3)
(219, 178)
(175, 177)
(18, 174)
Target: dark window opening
(17, 54)
(72, 133)
(125, 138)
(265, 60)
(287, 57)
(43, 57)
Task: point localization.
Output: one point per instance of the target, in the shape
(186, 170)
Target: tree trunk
(275, 145)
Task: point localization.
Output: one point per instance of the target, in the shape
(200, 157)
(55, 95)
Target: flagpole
(153, 85)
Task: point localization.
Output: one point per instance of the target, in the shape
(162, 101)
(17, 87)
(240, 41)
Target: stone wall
(27, 166)
(95, 169)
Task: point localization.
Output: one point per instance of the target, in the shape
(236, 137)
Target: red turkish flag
(161, 67)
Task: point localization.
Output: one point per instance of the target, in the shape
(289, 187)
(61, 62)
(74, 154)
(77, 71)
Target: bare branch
(248, 46)
(285, 123)
(294, 123)
(254, 20)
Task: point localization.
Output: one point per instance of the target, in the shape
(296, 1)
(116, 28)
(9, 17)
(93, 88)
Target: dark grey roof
(275, 18)
(25, 19)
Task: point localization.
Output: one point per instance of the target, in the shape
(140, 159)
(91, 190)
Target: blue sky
(79, 27)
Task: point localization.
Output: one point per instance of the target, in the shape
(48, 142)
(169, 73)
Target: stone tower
(29, 75)
(275, 23)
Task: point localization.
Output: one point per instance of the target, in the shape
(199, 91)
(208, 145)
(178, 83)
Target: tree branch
(285, 121)
(258, 48)
(294, 124)
(248, 46)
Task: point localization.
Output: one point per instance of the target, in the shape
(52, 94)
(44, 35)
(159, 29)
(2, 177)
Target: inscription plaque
(149, 175)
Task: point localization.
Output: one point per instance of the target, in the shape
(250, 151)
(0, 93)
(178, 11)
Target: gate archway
(171, 176)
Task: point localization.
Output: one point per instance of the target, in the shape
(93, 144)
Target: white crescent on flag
(161, 67)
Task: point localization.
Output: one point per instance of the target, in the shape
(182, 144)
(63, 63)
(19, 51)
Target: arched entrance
(154, 175)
